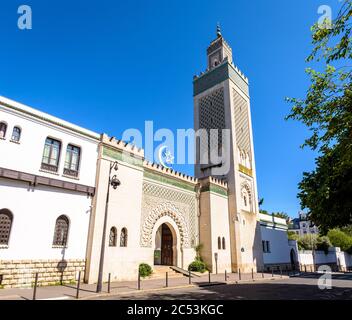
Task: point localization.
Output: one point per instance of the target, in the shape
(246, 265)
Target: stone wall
(21, 273)
(277, 267)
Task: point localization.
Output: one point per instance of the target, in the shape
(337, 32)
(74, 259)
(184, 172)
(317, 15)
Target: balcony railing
(49, 167)
(71, 173)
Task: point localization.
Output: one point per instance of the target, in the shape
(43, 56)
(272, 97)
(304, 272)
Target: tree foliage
(327, 112)
(340, 239)
(291, 235)
(307, 242)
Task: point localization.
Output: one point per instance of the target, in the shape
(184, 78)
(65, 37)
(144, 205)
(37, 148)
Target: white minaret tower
(221, 101)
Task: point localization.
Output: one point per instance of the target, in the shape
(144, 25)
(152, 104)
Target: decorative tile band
(170, 181)
(217, 75)
(247, 171)
(216, 189)
(122, 156)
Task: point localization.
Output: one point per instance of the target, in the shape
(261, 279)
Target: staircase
(159, 272)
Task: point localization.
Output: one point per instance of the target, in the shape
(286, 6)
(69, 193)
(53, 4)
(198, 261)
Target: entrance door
(166, 246)
(293, 259)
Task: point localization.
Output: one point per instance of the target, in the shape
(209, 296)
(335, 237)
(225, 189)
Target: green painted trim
(121, 156)
(217, 75)
(215, 189)
(169, 180)
(50, 121)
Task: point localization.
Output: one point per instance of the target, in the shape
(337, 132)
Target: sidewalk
(88, 291)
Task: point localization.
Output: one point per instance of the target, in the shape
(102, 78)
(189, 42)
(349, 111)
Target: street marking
(56, 298)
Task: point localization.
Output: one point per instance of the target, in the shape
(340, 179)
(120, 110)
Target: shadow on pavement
(304, 287)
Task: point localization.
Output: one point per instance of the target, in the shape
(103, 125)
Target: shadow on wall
(62, 266)
(257, 248)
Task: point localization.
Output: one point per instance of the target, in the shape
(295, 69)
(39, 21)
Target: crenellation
(169, 172)
(122, 145)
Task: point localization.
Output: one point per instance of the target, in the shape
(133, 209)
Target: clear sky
(111, 65)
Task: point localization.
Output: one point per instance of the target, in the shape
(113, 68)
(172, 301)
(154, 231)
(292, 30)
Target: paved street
(301, 288)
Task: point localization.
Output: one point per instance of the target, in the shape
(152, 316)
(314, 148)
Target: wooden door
(166, 246)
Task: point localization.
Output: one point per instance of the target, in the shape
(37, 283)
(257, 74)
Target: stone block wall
(268, 267)
(21, 273)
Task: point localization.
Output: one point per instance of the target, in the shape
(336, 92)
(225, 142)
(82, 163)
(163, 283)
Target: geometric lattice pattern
(212, 116)
(5, 226)
(61, 231)
(242, 123)
(183, 205)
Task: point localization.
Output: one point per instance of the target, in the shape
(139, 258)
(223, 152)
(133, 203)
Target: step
(159, 272)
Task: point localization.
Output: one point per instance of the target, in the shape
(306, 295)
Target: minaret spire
(218, 30)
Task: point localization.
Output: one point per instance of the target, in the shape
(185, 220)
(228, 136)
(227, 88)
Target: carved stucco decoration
(164, 209)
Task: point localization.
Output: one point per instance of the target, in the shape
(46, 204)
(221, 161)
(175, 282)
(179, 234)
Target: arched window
(61, 231)
(112, 237)
(246, 197)
(223, 243)
(3, 128)
(6, 218)
(219, 243)
(16, 134)
(123, 238)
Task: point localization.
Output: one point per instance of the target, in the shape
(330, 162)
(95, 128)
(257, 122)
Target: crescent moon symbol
(161, 150)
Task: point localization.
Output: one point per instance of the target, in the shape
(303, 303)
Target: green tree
(307, 242)
(291, 235)
(323, 244)
(327, 112)
(347, 230)
(340, 239)
(282, 215)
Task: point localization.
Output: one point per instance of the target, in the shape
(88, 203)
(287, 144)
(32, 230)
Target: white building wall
(220, 228)
(274, 230)
(35, 211)
(334, 257)
(27, 155)
(123, 212)
(279, 248)
(35, 208)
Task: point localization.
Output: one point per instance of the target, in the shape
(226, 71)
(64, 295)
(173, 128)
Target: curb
(13, 296)
(178, 287)
(135, 291)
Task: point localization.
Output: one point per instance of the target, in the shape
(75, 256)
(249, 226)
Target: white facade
(309, 260)
(302, 226)
(222, 102)
(35, 196)
(275, 244)
(155, 215)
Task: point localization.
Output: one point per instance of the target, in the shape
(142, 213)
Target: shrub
(145, 270)
(291, 235)
(307, 242)
(198, 249)
(198, 266)
(323, 244)
(340, 239)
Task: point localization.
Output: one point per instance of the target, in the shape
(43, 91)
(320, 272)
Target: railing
(71, 173)
(49, 167)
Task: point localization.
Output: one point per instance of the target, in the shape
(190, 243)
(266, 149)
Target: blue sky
(111, 65)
